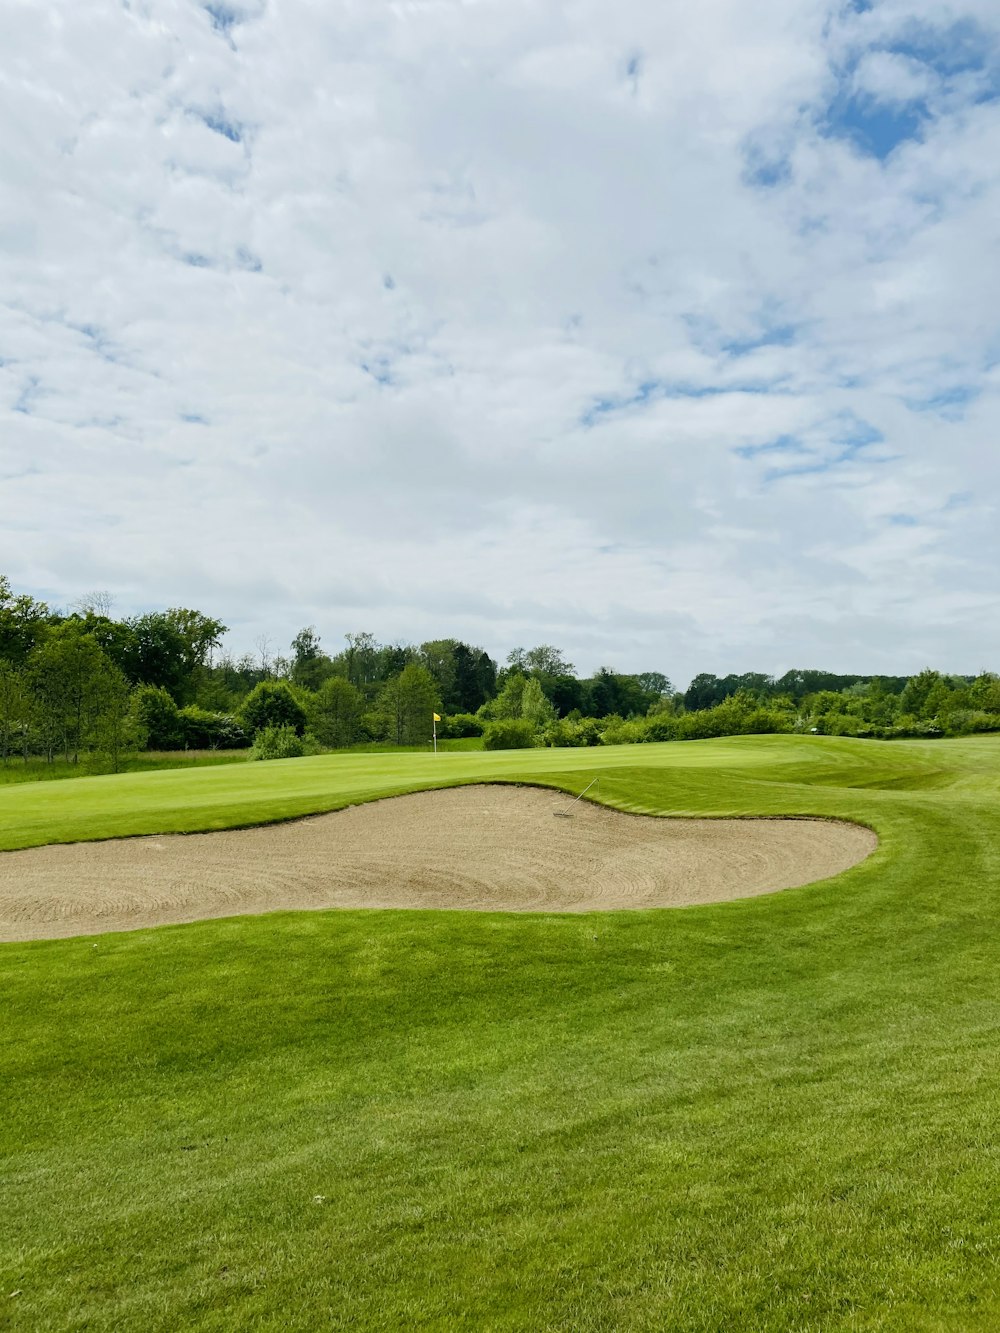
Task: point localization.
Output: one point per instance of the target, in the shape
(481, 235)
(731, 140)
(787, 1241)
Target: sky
(668, 334)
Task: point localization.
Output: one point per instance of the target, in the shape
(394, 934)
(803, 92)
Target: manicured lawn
(775, 1114)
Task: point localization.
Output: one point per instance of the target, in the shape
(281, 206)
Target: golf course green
(781, 1113)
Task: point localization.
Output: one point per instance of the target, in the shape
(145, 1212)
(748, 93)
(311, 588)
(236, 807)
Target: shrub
(563, 733)
(616, 731)
(459, 726)
(272, 704)
(229, 734)
(569, 731)
(157, 712)
(661, 727)
(969, 721)
(199, 728)
(276, 743)
(513, 733)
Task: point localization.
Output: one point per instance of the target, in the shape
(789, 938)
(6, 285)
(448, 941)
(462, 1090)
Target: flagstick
(435, 725)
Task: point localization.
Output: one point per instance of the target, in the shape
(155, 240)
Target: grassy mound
(772, 1114)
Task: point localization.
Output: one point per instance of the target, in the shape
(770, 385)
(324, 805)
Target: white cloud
(474, 319)
(890, 77)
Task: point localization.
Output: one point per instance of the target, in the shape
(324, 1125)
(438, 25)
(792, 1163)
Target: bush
(199, 727)
(229, 734)
(513, 733)
(616, 731)
(970, 721)
(157, 712)
(276, 743)
(272, 704)
(459, 726)
(661, 727)
(566, 732)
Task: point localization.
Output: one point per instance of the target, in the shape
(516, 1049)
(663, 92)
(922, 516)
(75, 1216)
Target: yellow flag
(437, 717)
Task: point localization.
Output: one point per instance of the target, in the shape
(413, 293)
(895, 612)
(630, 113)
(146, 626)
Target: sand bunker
(481, 848)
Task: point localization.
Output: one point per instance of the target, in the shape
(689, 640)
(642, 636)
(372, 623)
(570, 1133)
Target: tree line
(81, 682)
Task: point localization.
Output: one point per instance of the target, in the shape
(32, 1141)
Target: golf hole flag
(437, 719)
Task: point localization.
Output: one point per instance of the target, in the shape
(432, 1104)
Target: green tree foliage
(918, 690)
(23, 622)
(510, 733)
(202, 729)
(310, 665)
(159, 715)
(281, 742)
(506, 704)
(404, 707)
(201, 635)
(271, 704)
(520, 700)
(542, 661)
(610, 692)
(15, 711)
(68, 672)
(438, 656)
(456, 726)
(566, 694)
(984, 693)
(475, 678)
(359, 660)
(335, 713)
(116, 732)
(156, 654)
(535, 708)
(573, 732)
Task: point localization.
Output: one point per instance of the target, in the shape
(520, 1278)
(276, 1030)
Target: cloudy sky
(667, 333)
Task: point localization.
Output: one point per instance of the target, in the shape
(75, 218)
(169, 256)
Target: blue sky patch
(220, 123)
(961, 48)
(948, 403)
(782, 445)
(223, 17)
(776, 335)
(847, 434)
(25, 399)
(98, 341)
(764, 168)
(874, 127)
(769, 328)
(651, 391)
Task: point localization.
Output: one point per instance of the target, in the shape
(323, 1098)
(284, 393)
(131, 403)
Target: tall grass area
(773, 1114)
(41, 770)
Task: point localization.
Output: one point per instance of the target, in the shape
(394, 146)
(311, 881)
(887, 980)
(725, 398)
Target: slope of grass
(774, 1114)
(739, 775)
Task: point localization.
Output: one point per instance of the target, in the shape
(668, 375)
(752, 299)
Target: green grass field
(780, 1113)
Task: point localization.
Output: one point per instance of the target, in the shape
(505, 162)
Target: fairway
(768, 1114)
